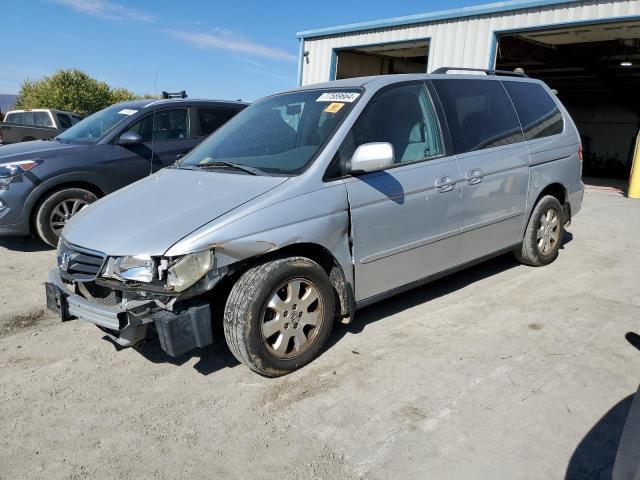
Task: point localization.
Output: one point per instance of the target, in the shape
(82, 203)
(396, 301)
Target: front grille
(79, 264)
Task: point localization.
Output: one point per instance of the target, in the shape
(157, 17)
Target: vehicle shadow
(210, 359)
(24, 244)
(422, 294)
(595, 455)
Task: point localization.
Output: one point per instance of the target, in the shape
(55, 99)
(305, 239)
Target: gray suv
(44, 183)
(313, 203)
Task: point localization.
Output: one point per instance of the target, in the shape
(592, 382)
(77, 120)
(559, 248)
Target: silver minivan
(315, 202)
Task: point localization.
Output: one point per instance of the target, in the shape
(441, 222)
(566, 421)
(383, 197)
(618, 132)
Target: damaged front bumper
(127, 324)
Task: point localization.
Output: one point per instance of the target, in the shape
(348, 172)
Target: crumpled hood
(42, 149)
(149, 216)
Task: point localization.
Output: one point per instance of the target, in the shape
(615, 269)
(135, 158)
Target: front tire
(57, 208)
(544, 233)
(279, 315)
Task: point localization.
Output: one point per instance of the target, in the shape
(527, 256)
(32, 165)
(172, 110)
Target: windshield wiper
(243, 168)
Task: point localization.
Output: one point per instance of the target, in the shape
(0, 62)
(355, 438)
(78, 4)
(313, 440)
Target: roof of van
(381, 80)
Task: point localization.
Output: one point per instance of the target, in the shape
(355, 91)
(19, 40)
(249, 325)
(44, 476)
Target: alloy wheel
(292, 318)
(63, 211)
(548, 234)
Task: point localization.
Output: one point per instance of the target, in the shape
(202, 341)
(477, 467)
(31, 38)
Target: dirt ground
(499, 372)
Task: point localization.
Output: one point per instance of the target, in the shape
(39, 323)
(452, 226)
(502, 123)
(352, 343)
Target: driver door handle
(474, 176)
(445, 184)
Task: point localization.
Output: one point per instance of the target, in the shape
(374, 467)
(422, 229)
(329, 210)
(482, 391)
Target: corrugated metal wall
(463, 42)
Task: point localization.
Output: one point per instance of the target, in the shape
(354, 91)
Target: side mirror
(372, 157)
(129, 138)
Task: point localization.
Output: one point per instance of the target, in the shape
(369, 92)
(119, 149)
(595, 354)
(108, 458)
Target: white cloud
(105, 9)
(221, 39)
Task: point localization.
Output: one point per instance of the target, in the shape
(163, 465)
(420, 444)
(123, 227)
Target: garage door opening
(596, 71)
(406, 57)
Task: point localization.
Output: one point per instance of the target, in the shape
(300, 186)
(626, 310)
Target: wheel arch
(313, 251)
(43, 193)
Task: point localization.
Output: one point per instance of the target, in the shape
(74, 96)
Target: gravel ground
(501, 371)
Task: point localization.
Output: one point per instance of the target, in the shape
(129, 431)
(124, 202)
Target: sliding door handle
(474, 176)
(445, 184)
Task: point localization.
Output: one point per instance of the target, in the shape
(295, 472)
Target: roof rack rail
(506, 73)
(181, 94)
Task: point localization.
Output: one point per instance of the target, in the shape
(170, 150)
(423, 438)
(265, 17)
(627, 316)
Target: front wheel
(279, 315)
(544, 234)
(57, 208)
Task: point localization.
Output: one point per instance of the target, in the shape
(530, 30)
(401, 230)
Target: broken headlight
(137, 268)
(189, 269)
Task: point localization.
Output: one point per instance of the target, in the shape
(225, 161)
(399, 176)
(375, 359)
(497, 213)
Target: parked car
(315, 202)
(44, 183)
(37, 124)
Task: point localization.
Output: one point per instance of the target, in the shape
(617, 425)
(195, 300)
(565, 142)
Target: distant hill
(6, 101)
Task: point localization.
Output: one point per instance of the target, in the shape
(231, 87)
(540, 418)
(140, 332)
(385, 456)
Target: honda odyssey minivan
(312, 203)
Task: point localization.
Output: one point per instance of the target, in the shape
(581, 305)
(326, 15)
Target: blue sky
(224, 49)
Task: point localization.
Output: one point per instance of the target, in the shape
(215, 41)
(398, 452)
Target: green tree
(70, 90)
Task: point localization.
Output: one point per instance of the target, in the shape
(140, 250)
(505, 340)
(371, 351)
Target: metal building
(589, 51)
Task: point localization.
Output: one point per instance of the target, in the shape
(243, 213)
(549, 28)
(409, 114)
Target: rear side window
(42, 119)
(539, 114)
(65, 121)
(213, 118)
(479, 113)
(14, 118)
(28, 118)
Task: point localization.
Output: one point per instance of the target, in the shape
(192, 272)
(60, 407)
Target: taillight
(580, 152)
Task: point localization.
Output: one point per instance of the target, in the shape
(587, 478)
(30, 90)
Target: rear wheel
(279, 315)
(28, 139)
(544, 233)
(56, 209)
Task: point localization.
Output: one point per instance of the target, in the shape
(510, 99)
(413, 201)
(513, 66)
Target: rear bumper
(178, 332)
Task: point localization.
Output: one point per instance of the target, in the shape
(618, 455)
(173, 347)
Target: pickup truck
(41, 124)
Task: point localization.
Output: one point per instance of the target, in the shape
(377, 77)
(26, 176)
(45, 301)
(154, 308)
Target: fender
(65, 178)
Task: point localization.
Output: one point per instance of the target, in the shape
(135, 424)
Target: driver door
(405, 219)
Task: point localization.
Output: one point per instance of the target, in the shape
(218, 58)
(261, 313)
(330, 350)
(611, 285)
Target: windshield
(94, 127)
(279, 134)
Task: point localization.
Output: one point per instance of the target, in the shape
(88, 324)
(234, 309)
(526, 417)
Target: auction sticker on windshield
(338, 97)
(334, 107)
(127, 111)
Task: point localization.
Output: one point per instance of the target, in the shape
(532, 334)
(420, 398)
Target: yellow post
(634, 181)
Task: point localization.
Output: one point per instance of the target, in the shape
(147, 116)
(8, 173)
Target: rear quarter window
(213, 118)
(539, 114)
(479, 113)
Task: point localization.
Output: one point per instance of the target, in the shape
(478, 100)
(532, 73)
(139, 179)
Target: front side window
(212, 119)
(402, 116)
(96, 126)
(539, 114)
(163, 125)
(479, 113)
(280, 134)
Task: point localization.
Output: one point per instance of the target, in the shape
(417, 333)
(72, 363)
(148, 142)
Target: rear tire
(28, 139)
(57, 208)
(544, 233)
(279, 315)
